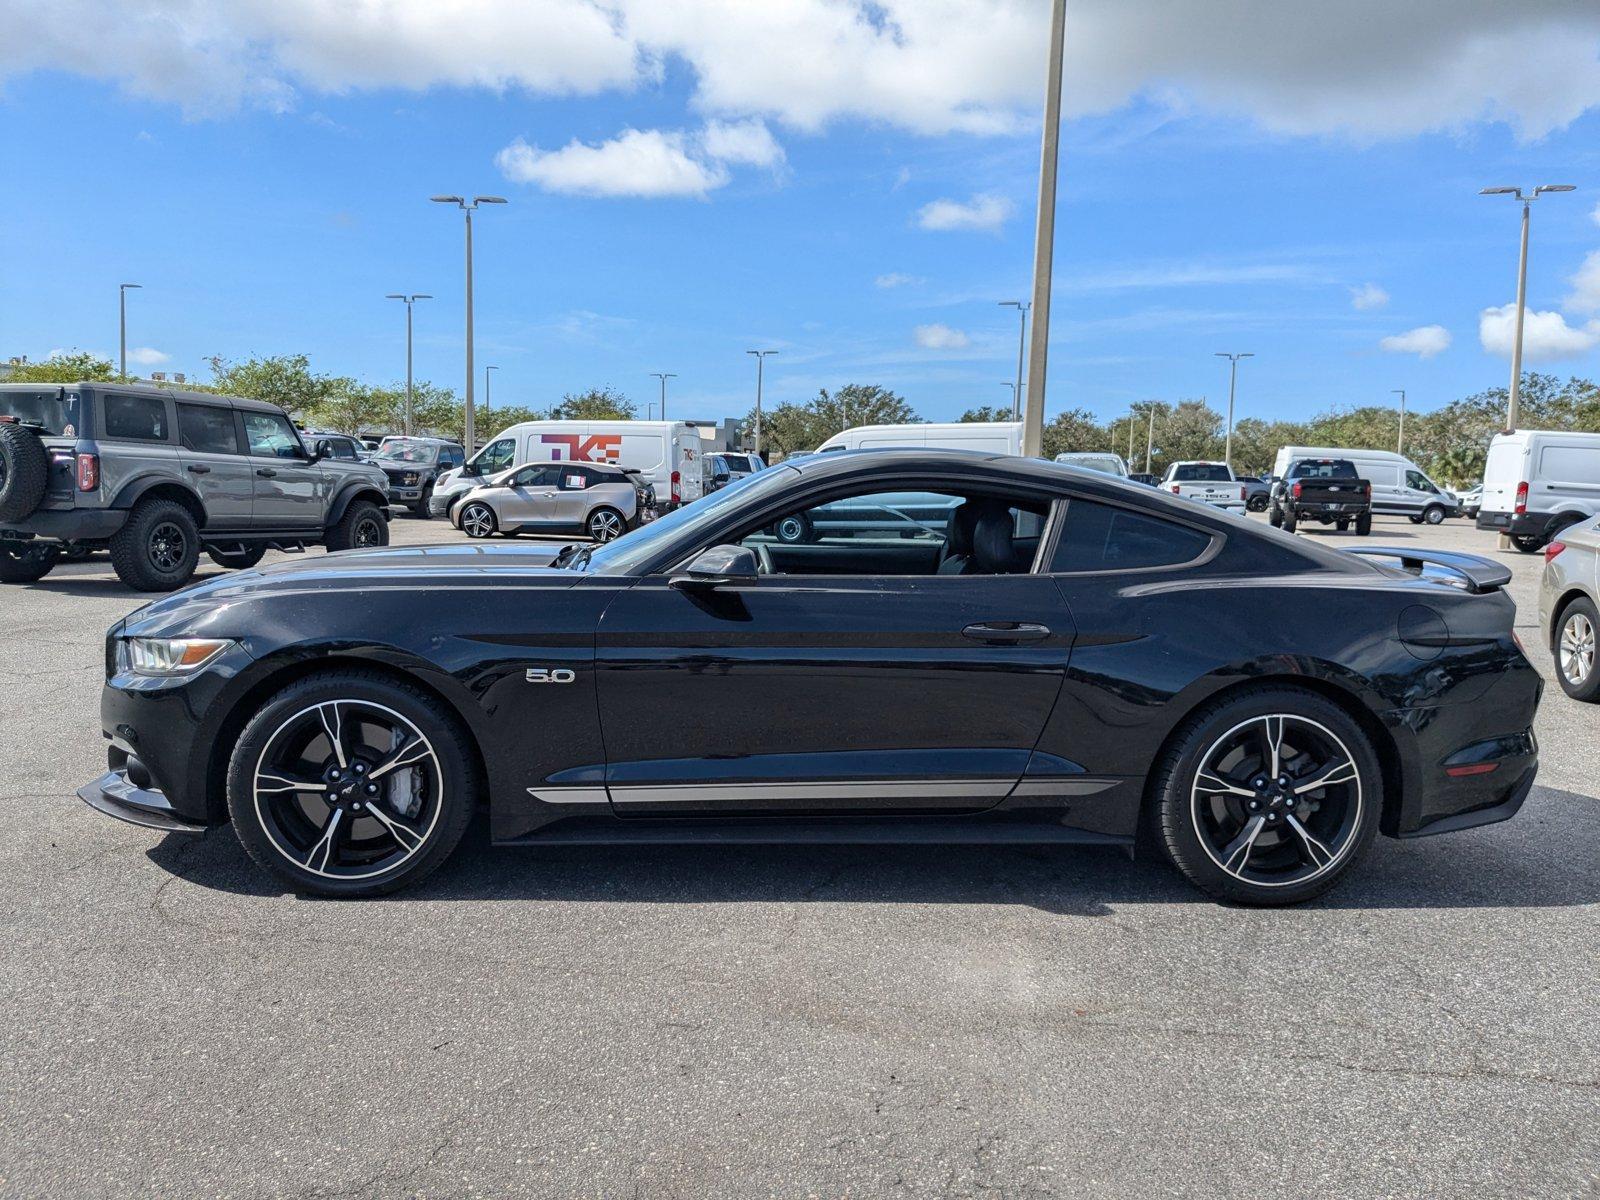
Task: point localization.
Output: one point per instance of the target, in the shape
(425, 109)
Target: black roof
(187, 395)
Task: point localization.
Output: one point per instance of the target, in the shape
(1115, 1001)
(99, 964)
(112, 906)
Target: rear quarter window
(136, 418)
(1103, 537)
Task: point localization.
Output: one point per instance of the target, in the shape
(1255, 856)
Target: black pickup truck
(1322, 489)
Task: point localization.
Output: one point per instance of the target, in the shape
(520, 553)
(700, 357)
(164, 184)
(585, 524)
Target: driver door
(852, 678)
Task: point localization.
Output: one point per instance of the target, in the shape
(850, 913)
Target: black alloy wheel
(27, 562)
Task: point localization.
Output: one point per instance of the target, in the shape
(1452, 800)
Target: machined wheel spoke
(333, 726)
(1326, 776)
(1213, 783)
(409, 754)
(326, 850)
(408, 838)
(1318, 854)
(1272, 732)
(288, 783)
(1237, 852)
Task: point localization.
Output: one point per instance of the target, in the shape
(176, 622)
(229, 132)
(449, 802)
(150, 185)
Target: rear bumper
(1517, 524)
(1329, 508)
(70, 525)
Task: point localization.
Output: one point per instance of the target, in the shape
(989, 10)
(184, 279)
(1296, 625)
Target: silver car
(597, 499)
(1569, 607)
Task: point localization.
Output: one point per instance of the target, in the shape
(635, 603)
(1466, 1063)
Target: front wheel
(477, 520)
(27, 562)
(1269, 797)
(606, 525)
(351, 784)
(1433, 515)
(1575, 650)
(421, 508)
(362, 526)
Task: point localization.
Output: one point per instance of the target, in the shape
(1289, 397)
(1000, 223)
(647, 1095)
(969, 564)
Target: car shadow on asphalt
(1543, 858)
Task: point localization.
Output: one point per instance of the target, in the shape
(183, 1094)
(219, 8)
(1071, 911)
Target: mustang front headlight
(168, 656)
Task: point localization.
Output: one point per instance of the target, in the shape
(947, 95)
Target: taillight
(88, 472)
(1553, 549)
(676, 480)
(1522, 498)
(1295, 490)
(1369, 491)
(1242, 492)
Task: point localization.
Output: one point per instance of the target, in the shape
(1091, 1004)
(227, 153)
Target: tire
(24, 471)
(1433, 515)
(1342, 526)
(1256, 504)
(157, 547)
(1289, 521)
(237, 560)
(362, 526)
(27, 562)
(478, 520)
(284, 829)
(1573, 647)
(1415, 520)
(1203, 830)
(1529, 544)
(605, 525)
(793, 529)
(1275, 517)
(1364, 525)
(420, 508)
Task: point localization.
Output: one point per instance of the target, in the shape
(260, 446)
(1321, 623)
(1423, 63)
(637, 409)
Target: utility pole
(469, 433)
(1150, 438)
(122, 325)
(409, 301)
(761, 362)
(1233, 378)
(1044, 237)
(1400, 442)
(1131, 416)
(1022, 338)
(1015, 394)
(486, 371)
(1513, 407)
(663, 376)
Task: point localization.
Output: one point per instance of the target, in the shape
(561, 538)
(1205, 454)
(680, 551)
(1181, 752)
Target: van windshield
(52, 409)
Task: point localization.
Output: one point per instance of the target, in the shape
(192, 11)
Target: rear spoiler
(1471, 573)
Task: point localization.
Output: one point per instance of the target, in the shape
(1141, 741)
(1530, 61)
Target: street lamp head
(132, 285)
(422, 296)
(489, 200)
(447, 199)
(1500, 191)
(1554, 187)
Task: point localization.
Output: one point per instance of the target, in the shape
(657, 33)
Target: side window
(575, 479)
(270, 435)
(136, 418)
(206, 429)
(531, 477)
(1101, 537)
(344, 448)
(449, 457)
(1419, 482)
(496, 457)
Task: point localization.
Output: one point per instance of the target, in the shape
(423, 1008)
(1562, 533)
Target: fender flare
(361, 490)
(140, 486)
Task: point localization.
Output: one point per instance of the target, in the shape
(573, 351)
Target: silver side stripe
(851, 789)
(1063, 787)
(570, 795)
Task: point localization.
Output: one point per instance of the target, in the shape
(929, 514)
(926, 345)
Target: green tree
(596, 404)
(355, 408)
(76, 366)
(790, 428)
(987, 412)
(284, 379)
(1192, 430)
(1074, 430)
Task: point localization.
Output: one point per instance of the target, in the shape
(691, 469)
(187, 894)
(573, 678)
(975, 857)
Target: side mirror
(718, 566)
(323, 449)
(720, 477)
(470, 469)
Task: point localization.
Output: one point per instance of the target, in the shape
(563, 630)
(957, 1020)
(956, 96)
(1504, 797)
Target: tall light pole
(1512, 408)
(1022, 338)
(761, 362)
(409, 301)
(122, 325)
(1131, 415)
(1150, 438)
(486, 371)
(1045, 237)
(1400, 442)
(469, 433)
(1233, 377)
(1014, 394)
(663, 376)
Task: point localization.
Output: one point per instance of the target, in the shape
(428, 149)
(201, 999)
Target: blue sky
(269, 200)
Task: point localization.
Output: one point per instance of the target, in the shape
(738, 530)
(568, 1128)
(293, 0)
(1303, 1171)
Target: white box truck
(1537, 482)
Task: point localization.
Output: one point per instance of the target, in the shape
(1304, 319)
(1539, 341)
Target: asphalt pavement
(817, 1021)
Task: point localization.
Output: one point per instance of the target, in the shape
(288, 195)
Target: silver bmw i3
(601, 500)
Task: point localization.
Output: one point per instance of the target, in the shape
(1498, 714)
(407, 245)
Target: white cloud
(637, 162)
(145, 356)
(1365, 68)
(1585, 294)
(1368, 296)
(941, 337)
(1595, 215)
(1424, 341)
(1545, 335)
(986, 213)
(747, 142)
(894, 279)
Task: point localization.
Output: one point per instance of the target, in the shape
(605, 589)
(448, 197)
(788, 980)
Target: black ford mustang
(954, 648)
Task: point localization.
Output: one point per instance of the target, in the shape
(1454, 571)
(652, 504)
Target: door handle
(198, 469)
(1006, 632)
(266, 472)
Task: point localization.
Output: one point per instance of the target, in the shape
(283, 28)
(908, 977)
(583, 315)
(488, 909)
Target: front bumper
(118, 796)
(404, 495)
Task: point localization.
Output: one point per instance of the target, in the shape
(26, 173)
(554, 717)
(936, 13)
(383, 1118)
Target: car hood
(448, 568)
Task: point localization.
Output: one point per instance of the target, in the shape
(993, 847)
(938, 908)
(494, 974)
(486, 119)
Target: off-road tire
(420, 509)
(1275, 517)
(361, 526)
(1290, 521)
(27, 562)
(237, 560)
(24, 471)
(1364, 524)
(157, 547)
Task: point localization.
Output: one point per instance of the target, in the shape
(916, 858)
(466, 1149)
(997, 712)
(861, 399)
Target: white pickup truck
(1208, 482)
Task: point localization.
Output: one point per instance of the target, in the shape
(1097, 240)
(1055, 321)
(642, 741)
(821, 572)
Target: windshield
(409, 452)
(56, 412)
(628, 554)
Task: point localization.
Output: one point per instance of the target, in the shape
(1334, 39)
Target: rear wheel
(1289, 521)
(1414, 519)
(157, 547)
(1528, 543)
(606, 525)
(1364, 524)
(1275, 517)
(1342, 526)
(1256, 503)
(793, 529)
(350, 784)
(1268, 797)
(1574, 650)
(478, 520)
(27, 562)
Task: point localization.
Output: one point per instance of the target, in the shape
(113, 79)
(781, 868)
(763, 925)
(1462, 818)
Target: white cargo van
(996, 437)
(1105, 461)
(665, 453)
(1536, 483)
(1399, 486)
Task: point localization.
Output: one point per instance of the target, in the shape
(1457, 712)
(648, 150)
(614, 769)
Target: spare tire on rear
(24, 471)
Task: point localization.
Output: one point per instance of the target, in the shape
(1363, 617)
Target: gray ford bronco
(158, 475)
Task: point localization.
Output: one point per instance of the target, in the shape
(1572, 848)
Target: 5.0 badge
(550, 675)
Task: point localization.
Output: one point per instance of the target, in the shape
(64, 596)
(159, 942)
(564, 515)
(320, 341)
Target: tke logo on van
(598, 447)
(549, 675)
